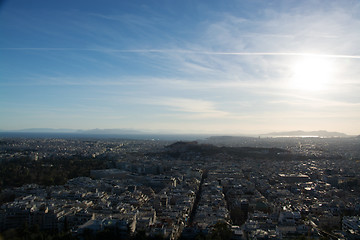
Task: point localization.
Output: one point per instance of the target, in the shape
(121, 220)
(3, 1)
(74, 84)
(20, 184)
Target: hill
(189, 149)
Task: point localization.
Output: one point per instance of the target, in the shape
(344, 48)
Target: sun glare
(311, 74)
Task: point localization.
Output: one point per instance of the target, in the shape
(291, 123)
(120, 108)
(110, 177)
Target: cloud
(186, 105)
(186, 51)
(233, 69)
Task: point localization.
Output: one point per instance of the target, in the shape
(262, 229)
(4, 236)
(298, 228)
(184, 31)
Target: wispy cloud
(185, 51)
(231, 69)
(187, 105)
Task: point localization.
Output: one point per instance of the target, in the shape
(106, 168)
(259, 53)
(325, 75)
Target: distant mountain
(110, 131)
(42, 130)
(299, 133)
(63, 130)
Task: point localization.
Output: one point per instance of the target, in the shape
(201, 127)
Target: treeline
(188, 149)
(52, 171)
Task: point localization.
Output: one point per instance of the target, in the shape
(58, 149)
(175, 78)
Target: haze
(180, 66)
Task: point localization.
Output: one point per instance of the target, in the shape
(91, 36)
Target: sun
(311, 73)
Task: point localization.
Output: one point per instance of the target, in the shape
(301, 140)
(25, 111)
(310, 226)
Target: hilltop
(181, 149)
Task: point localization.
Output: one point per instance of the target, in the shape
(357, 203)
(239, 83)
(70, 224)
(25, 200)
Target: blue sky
(225, 67)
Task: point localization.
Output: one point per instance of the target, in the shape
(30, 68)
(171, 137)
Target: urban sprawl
(249, 188)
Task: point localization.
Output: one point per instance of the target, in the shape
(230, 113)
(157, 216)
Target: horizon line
(160, 132)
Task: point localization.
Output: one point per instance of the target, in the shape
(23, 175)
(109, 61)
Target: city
(213, 188)
(179, 120)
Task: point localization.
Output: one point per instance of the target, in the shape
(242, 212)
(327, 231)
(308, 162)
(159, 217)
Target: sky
(206, 66)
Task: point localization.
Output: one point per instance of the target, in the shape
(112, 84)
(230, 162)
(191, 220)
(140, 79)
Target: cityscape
(180, 120)
(219, 187)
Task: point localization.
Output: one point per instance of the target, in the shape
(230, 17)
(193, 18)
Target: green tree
(221, 231)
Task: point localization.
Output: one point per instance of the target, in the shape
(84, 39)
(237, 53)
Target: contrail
(283, 54)
(184, 51)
